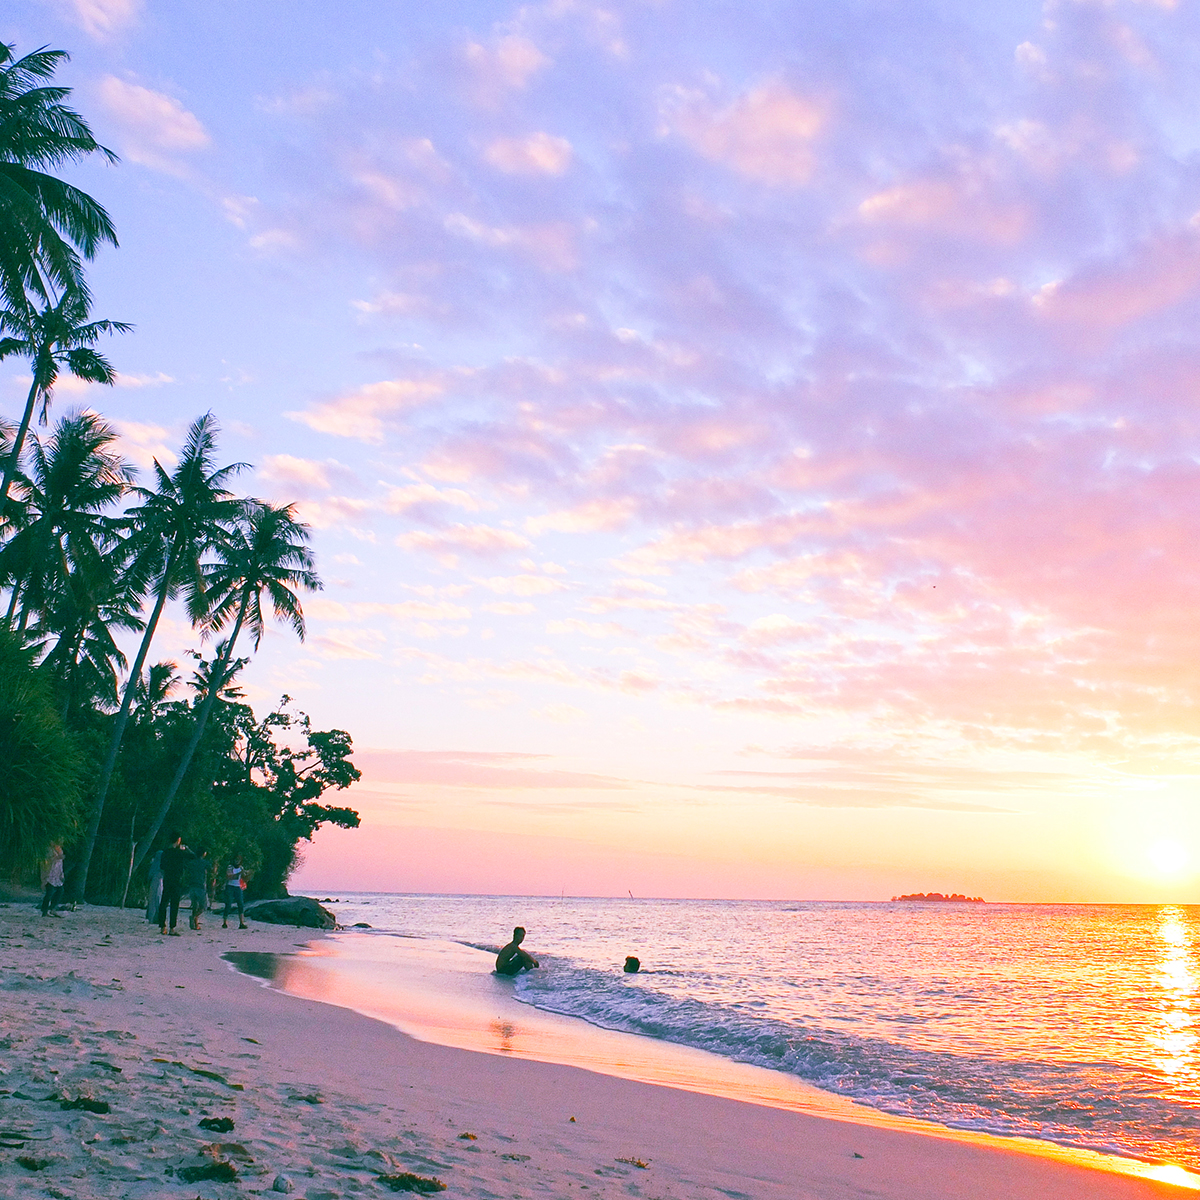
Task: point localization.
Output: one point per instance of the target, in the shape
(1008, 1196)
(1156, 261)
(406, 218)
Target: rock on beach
(301, 911)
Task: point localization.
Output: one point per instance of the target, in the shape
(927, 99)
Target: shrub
(39, 765)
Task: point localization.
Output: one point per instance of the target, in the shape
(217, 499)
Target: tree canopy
(97, 752)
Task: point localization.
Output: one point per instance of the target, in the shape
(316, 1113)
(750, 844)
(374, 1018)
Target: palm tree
(86, 659)
(262, 563)
(187, 511)
(46, 225)
(63, 536)
(58, 337)
(153, 691)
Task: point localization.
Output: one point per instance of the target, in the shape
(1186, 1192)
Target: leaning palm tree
(177, 521)
(46, 226)
(58, 337)
(261, 564)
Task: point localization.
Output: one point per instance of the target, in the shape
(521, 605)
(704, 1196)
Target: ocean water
(1074, 1024)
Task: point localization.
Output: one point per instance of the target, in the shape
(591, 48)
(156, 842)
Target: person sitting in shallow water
(512, 959)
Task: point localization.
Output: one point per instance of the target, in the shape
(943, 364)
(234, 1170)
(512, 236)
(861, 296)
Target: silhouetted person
(174, 860)
(512, 958)
(195, 878)
(632, 965)
(154, 899)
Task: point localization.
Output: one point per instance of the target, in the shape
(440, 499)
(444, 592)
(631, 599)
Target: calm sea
(1074, 1024)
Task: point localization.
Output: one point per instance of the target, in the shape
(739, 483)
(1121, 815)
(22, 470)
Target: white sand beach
(97, 1011)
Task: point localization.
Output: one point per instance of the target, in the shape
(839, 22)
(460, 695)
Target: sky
(751, 450)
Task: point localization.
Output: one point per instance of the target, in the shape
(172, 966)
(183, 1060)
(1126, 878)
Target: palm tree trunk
(93, 829)
(14, 457)
(216, 681)
(71, 667)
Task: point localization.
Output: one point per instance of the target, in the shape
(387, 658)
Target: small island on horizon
(956, 897)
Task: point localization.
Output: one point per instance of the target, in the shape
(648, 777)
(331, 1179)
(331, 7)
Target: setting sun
(1168, 857)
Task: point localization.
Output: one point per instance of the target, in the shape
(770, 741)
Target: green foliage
(80, 566)
(264, 551)
(39, 765)
(254, 788)
(46, 226)
(270, 786)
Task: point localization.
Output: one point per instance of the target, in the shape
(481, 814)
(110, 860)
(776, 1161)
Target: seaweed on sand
(406, 1181)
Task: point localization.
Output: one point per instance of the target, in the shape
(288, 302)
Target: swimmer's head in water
(519, 934)
(632, 965)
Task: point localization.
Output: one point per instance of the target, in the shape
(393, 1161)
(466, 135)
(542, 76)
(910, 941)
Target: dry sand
(98, 1007)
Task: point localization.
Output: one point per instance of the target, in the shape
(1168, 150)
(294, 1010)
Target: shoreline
(98, 1007)
(426, 999)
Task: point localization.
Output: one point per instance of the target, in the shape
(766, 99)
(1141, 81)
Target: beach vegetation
(85, 554)
(262, 555)
(40, 786)
(97, 752)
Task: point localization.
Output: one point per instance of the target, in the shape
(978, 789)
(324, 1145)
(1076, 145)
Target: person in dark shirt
(174, 861)
(512, 959)
(195, 879)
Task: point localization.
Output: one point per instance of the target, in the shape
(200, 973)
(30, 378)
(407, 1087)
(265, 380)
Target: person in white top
(234, 883)
(53, 878)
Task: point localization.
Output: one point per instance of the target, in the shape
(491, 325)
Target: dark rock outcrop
(301, 911)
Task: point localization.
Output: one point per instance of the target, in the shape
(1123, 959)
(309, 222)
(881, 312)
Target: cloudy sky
(752, 449)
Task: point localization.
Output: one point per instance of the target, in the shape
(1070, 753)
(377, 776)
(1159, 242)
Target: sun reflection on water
(1175, 1037)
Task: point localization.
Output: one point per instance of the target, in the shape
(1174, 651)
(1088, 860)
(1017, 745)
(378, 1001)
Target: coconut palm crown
(55, 338)
(47, 227)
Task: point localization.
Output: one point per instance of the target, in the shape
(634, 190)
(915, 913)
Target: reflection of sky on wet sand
(505, 1031)
(1175, 1038)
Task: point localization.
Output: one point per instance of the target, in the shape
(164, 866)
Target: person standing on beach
(234, 885)
(174, 860)
(155, 897)
(512, 959)
(195, 876)
(53, 879)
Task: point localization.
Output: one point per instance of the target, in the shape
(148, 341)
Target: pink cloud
(472, 769)
(482, 540)
(509, 62)
(364, 412)
(1113, 295)
(522, 585)
(964, 206)
(534, 154)
(585, 518)
(767, 133)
